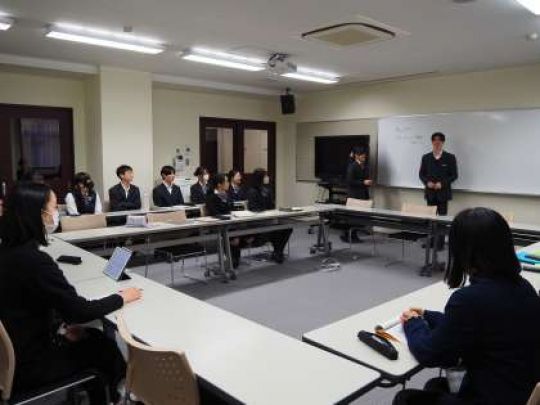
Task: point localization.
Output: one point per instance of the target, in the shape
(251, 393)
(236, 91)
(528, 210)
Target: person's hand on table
(408, 315)
(368, 182)
(418, 310)
(130, 294)
(430, 184)
(438, 185)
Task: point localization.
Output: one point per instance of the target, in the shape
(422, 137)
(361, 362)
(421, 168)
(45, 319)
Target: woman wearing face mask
(261, 198)
(34, 292)
(199, 190)
(83, 199)
(219, 203)
(236, 191)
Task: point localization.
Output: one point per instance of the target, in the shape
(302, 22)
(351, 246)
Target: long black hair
(257, 178)
(22, 221)
(480, 244)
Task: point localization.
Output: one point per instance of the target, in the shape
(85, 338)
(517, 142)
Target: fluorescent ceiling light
(90, 36)
(313, 76)
(5, 23)
(532, 5)
(223, 59)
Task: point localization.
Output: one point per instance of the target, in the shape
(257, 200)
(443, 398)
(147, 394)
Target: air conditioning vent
(350, 34)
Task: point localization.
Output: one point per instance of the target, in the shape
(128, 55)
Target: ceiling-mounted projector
(278, 64)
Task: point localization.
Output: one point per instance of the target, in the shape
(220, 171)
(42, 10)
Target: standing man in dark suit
(124, 196)
(438, 171)
(167, 194)
(358, 182)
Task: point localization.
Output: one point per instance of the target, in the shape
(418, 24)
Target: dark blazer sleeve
(197, 195)
(134, 202)
(423, 173)
(356, 175)
(49, 284)
(115, 199)
(452, 337)
(179, 198)
(254, 201)
(156, 197)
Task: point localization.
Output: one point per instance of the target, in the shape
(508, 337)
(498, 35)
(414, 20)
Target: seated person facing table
(125, 196)
(236, 191)
(167, 194)
(34, 293)
(83, 199)
(491, 326)
(199, 190)
(218, 202)
(261, 198)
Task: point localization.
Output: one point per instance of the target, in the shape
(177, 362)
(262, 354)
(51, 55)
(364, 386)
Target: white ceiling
(443, 36)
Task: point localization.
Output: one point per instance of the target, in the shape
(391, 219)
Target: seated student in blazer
(83, 199)
(490, 325)
(218, 202)
(261, 198)
(236, 191)
(199, 190)
(167, 194)
(36, 298)
(125, 196)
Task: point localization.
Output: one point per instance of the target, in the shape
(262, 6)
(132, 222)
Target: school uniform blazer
(32, 289)
(217, 206)
(236, 194)
(493, 326)
(197, 194)
(260, 199)
(162, 197)
(443, 170)
(356, 175)
(119, 201)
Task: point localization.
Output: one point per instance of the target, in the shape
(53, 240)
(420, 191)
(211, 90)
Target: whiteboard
(495, 150)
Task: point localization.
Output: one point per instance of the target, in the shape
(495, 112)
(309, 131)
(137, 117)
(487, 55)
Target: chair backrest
(174, 217)
(419, 209)
(83, 222)
(534, 399)
(355, 202)
(204, 211)
(7, 364)
(157, 376)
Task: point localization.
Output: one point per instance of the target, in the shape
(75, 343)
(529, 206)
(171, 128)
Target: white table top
(153, 210)
(88, 235)
(91, 268)
(248, 361)
(340, 337)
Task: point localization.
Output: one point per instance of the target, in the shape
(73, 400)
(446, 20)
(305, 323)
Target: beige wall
(497, 89)
(176, 122)
(52, 91)
(126, 125)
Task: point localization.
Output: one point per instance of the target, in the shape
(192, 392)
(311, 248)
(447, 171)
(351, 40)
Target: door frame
(238, 126)
(65, 117)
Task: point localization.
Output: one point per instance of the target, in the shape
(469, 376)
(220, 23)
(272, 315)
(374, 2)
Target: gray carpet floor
(298, 296)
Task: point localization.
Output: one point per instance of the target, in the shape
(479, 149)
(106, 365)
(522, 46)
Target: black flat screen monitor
(332, 155)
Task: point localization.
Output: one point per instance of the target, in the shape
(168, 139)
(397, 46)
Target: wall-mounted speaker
(288, 105)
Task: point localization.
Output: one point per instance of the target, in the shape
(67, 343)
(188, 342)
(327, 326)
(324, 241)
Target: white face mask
(266, 180)
(206, 177)
(51, 228)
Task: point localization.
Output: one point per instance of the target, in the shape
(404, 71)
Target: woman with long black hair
(34, 294)
(490, 326)
(83, 199)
